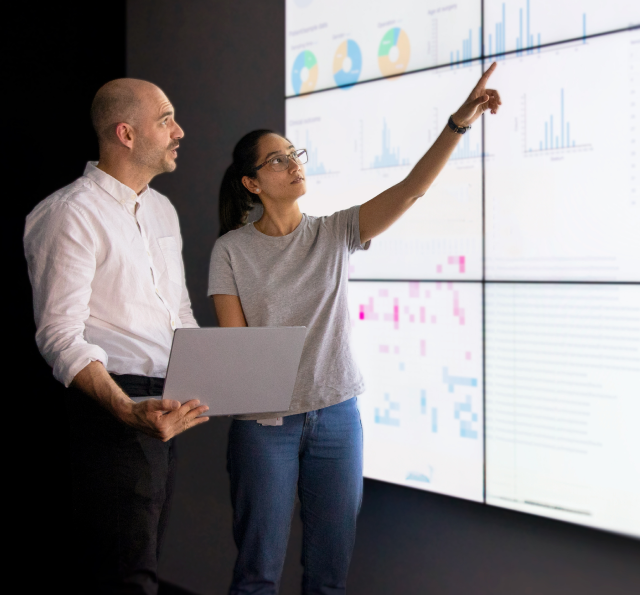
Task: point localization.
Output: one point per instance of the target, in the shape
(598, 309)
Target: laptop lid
(235, 370)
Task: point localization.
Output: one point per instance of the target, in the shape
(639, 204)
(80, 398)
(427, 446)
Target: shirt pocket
(172, 258)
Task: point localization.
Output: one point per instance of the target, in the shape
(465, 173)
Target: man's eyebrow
(276, 152)
(168, 113)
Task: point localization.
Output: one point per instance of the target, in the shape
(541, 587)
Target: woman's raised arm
(379, 213)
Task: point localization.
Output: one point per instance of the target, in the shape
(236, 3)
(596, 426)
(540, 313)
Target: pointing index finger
(485, 77)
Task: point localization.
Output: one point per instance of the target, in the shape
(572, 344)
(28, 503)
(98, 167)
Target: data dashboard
(562, 190)
(365, 139)
(497, 323)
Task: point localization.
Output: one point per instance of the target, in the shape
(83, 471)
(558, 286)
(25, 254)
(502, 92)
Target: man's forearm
(94, 380)
(159, 418)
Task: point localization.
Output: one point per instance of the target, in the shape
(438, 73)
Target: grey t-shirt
(298, 280)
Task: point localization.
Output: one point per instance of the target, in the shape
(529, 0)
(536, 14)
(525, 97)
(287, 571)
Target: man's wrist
(123, 409)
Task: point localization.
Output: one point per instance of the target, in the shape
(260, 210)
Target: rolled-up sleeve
(60, 248)
(186, 312)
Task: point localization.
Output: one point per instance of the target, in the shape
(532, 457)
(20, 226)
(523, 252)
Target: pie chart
(347, 63)
(394, 52)
(304, 75)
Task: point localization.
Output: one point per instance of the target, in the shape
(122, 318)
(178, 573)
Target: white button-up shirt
(108, 281)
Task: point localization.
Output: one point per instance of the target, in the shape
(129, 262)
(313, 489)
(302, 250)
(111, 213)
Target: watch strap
(455, 128)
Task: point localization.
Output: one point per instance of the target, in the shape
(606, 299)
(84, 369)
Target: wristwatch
(457, 129)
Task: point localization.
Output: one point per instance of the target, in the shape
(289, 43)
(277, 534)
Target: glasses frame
(295, 155)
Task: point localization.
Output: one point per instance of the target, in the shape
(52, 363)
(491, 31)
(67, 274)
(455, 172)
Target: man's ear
(124, 134)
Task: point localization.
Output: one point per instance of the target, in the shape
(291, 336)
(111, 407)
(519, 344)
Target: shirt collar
(109, 184)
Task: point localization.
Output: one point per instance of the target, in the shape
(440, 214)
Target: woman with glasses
(291, 269)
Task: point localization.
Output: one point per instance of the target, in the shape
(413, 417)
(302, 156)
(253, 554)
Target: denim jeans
(320, 453)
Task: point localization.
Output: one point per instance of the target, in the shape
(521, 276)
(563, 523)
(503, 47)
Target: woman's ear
(251, 184)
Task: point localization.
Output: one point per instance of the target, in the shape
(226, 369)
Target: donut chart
(347, 63)
(394, 52)
(304, 75)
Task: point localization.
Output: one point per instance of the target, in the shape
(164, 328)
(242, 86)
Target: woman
(289, 269)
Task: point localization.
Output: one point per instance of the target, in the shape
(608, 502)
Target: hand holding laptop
(165, 418)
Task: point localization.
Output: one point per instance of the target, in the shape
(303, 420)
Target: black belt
(139, 386)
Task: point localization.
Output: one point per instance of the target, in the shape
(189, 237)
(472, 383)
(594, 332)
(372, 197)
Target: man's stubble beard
(154, 159)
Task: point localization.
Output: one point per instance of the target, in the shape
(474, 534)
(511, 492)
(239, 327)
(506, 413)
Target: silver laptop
(235, 370)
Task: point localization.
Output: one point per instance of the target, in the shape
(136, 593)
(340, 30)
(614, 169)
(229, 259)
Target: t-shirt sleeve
(345, 225)
(221, 277)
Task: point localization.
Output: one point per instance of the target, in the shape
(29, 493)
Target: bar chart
(549, 136)
(559, 136)
(522, 26)
(389, 156)
(314, 166)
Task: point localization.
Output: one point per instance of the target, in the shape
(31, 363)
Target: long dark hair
(235, 200)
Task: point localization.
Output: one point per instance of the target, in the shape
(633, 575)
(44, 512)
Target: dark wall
(57, 58)
(222, 64)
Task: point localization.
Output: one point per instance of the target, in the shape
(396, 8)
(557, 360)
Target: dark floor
(169, 589)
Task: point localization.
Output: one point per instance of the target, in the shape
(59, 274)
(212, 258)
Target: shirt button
(148, 253)
(157, 290)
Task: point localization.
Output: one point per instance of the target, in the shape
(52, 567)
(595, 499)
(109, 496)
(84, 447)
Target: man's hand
(160, 418)
(163, 418)
(479, 100)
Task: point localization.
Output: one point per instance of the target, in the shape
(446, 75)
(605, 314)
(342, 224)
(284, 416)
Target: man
(105, 264)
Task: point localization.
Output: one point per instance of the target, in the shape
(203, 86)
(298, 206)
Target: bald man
(105, 263)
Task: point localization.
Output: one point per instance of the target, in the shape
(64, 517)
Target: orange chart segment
(394, 52)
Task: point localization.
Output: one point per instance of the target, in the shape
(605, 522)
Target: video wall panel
(562, 186)
(525, 25)
(497, 323)
(563, 403)
(419, 346)
(365, 139)
(334, 43)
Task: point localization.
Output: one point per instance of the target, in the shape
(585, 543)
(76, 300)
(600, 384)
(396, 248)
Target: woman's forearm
(431, 164)
(379, 213)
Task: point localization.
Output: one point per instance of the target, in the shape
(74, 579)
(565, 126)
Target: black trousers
(122, 485)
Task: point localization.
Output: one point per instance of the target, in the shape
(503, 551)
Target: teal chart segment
(304, 74)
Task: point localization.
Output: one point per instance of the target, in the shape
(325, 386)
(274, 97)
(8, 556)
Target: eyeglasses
(281, 162)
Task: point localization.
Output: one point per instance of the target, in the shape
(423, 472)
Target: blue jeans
(320, 453)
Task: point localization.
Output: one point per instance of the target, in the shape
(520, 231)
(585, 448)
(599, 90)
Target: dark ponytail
(235, 200)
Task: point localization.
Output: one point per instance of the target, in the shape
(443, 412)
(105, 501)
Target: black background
(222, 65)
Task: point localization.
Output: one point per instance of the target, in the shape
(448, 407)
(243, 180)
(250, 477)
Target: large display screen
(419, 346)
(367, 138)
(563, 401)
(497, 324)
